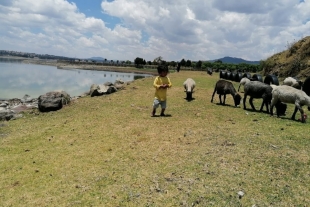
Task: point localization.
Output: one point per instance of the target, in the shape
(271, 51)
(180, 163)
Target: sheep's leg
(277, 105)
(251, 103)
(224, 99)
(239, 87)
(298, 107)
(267, 106)
(274, 101)
(294, 113)
(262, 106)
(213, 94)
(220, 97)
(244, 100)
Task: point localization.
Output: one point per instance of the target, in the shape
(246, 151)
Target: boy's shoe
(162, 114)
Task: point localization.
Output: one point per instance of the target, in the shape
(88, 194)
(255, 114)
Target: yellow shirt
(161, 93)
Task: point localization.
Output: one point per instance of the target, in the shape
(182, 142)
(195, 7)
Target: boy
(161, 83)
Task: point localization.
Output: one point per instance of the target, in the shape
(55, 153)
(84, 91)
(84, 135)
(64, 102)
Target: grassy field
(109, 151)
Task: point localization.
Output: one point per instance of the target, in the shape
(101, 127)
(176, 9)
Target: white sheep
(288, 94)
(289, 81)
(243, 81)
(280, 107)
(189, 86)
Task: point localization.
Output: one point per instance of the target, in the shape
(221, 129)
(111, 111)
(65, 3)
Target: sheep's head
(189, 95)
(237, 99)
(303, 118)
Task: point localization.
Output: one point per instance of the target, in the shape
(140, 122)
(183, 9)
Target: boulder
(53, 101)
(98, 90)
(119, 84)
(6, 115)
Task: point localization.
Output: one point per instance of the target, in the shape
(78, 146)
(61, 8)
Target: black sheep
(257, 89)
(223, 87)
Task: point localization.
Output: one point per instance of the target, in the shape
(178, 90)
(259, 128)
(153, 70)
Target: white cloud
(190, 29)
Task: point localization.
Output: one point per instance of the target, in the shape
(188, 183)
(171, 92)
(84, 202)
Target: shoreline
(69, 66)
(82, 66)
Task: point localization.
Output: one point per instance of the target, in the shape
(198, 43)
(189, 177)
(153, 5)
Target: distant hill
(96, 58)
(294, 62)
(235, 60)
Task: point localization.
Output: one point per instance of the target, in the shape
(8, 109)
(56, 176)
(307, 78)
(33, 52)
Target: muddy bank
(107, 68)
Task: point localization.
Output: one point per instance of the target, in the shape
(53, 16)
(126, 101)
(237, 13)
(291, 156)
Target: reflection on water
(18, 79)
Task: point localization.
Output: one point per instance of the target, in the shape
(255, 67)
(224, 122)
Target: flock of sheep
(273, 95)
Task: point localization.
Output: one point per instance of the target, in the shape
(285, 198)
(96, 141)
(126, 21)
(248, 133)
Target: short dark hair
(162, 68)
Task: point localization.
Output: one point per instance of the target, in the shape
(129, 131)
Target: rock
(4, 104)
(27, 99)
(94, 90)
(103, 88)
(108, 84)
(99, 90)
(11, 108)
(53, 101)
(240, 194)
(6, 115)
(119, 81)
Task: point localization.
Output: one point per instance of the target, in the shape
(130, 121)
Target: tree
(183, 62)
(188, 63)
(158, 60)
(139, 62)
(206, 64)
(173, 63)
(199, 64)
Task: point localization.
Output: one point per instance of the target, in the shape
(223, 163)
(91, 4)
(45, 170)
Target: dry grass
(294, 62)
(108, 151)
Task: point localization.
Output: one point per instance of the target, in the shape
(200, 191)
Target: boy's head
(162, 70)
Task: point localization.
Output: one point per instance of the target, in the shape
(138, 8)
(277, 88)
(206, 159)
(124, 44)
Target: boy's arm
(155, 84)
(169, 83)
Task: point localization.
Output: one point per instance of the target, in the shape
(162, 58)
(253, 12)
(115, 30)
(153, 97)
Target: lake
(18, 79)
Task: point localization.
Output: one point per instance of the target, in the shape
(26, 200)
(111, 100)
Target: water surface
(18, 79)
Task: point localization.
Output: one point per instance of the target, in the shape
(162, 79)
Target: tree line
(200, 65)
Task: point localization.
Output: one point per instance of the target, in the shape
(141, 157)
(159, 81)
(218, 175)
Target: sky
(175, 30)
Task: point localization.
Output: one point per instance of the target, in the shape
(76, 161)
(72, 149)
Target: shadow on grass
(189, 100)
(258, 111)
(288, 118)
(166, 115)
(226, 105)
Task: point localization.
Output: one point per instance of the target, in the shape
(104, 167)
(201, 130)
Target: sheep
(209, 71)
(243, 81)
(288, 94)
(189, 86)
(257, 89)
(223, 87)
(280, 107)
(293, 82)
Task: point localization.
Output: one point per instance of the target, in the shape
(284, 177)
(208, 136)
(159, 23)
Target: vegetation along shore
(108, 151)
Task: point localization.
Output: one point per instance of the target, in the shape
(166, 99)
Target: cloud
(190, 29)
